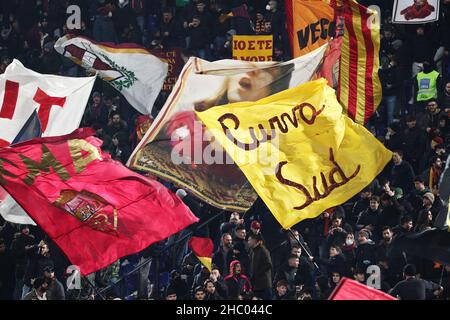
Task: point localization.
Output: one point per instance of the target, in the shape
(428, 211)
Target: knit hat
(366, 233)
(436, 141)
(429, 196)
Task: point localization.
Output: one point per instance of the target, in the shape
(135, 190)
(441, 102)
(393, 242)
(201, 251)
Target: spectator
(210, 289)
(21, 248)
(120, 149)
(237, 283)
(394, 136)
(170, 295)
(6, 272)
(432, 174)
(366, 250)
(426, 83)
(39, 290)
(385, 244)
(116, 125)
(428, 119)
(178, 285)
(103, 28)
(335, 262)
(199, 293)
(402, 174)
(412, 288)
(224, 255)
(282, 291)
(424, 221)
(370, 218)
(390, 81)
(405, 226)
(361, 204)
(240, 248)
(171, 31)
(218, 281)
(414, 142)
(260, 267)
(55, 290)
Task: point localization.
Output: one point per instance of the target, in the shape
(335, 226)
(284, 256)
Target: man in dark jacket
(224, 255)
(366, 251)
(39, 260)
(361, 204)
(260, 267)
(414, 142)
(20, 249)
(370, 218)
(240, 248)
(413, 288)
(294, 274)
(428, 119)
(6, 272)
(391, 214)
(394, 138)
(171, 31)
(55, 290)
(402, 174)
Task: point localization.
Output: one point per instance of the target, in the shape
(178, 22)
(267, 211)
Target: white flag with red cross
(59, 101)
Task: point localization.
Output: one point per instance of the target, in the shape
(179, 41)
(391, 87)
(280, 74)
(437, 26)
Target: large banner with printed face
(177, 148)
(415, 11)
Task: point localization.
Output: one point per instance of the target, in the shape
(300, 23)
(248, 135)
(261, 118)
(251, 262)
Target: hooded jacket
(237, 284)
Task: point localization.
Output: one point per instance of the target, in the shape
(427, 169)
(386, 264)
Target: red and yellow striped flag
(203, 249)
(359, 89)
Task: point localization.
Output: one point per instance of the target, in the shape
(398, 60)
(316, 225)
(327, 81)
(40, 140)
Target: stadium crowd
(253, 257)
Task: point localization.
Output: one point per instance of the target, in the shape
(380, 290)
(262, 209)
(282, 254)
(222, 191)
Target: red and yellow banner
(312, 27)
(359, 89)
(203, 250)
(253, 48)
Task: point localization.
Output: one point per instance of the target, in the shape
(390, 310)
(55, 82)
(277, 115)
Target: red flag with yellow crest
(94, 208)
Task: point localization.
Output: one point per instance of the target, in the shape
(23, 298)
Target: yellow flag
(297, 149)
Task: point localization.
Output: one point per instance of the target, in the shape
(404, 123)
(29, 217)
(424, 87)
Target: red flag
(94, 208)
(203, 249)
(352, 290)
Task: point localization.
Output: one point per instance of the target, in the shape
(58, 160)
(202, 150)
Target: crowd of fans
(254, 258)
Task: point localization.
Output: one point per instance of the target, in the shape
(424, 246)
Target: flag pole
(303, 248)
(96, 292)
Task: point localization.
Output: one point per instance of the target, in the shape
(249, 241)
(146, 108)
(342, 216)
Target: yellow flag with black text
(297, 149)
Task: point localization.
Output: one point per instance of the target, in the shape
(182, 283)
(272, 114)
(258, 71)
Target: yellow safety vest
(427, 85)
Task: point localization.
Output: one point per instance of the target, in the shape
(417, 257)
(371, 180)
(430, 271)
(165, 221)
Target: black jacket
(414, 143)
(334, 264)
(413, 289)
(260, 268)
(223, 261)
(365, 255)
(402, 176)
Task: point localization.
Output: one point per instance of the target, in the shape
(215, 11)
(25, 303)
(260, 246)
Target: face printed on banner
(252, 86)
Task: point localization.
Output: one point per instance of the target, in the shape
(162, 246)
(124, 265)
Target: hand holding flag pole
(304, 248)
